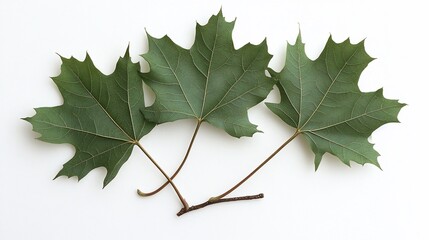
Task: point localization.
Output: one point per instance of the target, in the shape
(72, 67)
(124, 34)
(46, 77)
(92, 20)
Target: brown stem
(259, 167)
(184, 203)
(220, 198)
(215, 201)
(144, 194)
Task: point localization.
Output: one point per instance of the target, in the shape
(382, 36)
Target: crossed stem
(182, 199)
(147, 194)
(217, 199)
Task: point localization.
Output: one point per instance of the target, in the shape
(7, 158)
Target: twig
(221, 200)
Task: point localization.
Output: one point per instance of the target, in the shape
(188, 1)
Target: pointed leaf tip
(220, 13)
(127, 51)
(317, 160)
(62, 58)
(59, 174)
(87, 57)
(299, 37)
(377, 164)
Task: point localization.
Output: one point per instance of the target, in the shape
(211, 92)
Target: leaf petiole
(182, 199)
(144, 194)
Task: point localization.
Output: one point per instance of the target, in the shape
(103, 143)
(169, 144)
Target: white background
(336, 202)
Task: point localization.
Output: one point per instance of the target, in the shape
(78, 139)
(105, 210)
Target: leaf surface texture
(322, 100)
(211, 81)
(101, 116)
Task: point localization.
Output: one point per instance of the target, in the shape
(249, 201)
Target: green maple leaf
(211, 81)
(322, 100)
(100, 116)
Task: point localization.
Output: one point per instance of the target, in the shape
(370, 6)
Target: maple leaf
(322, 100)
(211, 81)
(100, 116)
